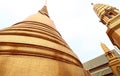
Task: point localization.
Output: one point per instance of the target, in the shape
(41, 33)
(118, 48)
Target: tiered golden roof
(100, 9)
(105, 12)
(110, 16)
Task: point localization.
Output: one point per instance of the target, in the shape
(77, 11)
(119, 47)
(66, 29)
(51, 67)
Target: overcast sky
(74, 19)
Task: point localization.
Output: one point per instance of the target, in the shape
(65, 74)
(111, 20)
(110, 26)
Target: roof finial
(104, 47)
(44, 9)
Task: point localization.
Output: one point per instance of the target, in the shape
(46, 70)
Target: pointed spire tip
(104, 47)
(44, 9)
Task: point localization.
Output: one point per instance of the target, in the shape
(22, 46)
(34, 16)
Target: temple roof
(100, 9)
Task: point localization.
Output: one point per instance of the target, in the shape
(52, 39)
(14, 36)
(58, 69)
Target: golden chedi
(34, 47)
(110, 16)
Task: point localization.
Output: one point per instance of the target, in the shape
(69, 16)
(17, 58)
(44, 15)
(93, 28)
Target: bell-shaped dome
(34, 47)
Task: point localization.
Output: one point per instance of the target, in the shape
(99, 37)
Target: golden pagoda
(114, 61)
(110, 16)
(34, 47)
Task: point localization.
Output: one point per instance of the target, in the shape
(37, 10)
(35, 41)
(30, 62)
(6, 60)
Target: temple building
(99, 66)
(114, 61)
(34, 47)
(110, 16)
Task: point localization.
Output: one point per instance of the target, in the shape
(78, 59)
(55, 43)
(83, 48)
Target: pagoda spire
(105, 48)
(44, 10)
(113, 60)
(109, 54)
(109, 16)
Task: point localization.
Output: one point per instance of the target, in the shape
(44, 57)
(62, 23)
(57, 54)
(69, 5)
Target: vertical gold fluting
(114, 61)
(34, 47)
(110, 16)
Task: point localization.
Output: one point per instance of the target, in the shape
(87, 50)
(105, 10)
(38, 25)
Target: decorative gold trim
(55, 54)
(40, 32)
(37, 23)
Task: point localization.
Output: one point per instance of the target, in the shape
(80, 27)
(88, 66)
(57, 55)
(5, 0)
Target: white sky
(74, 19)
